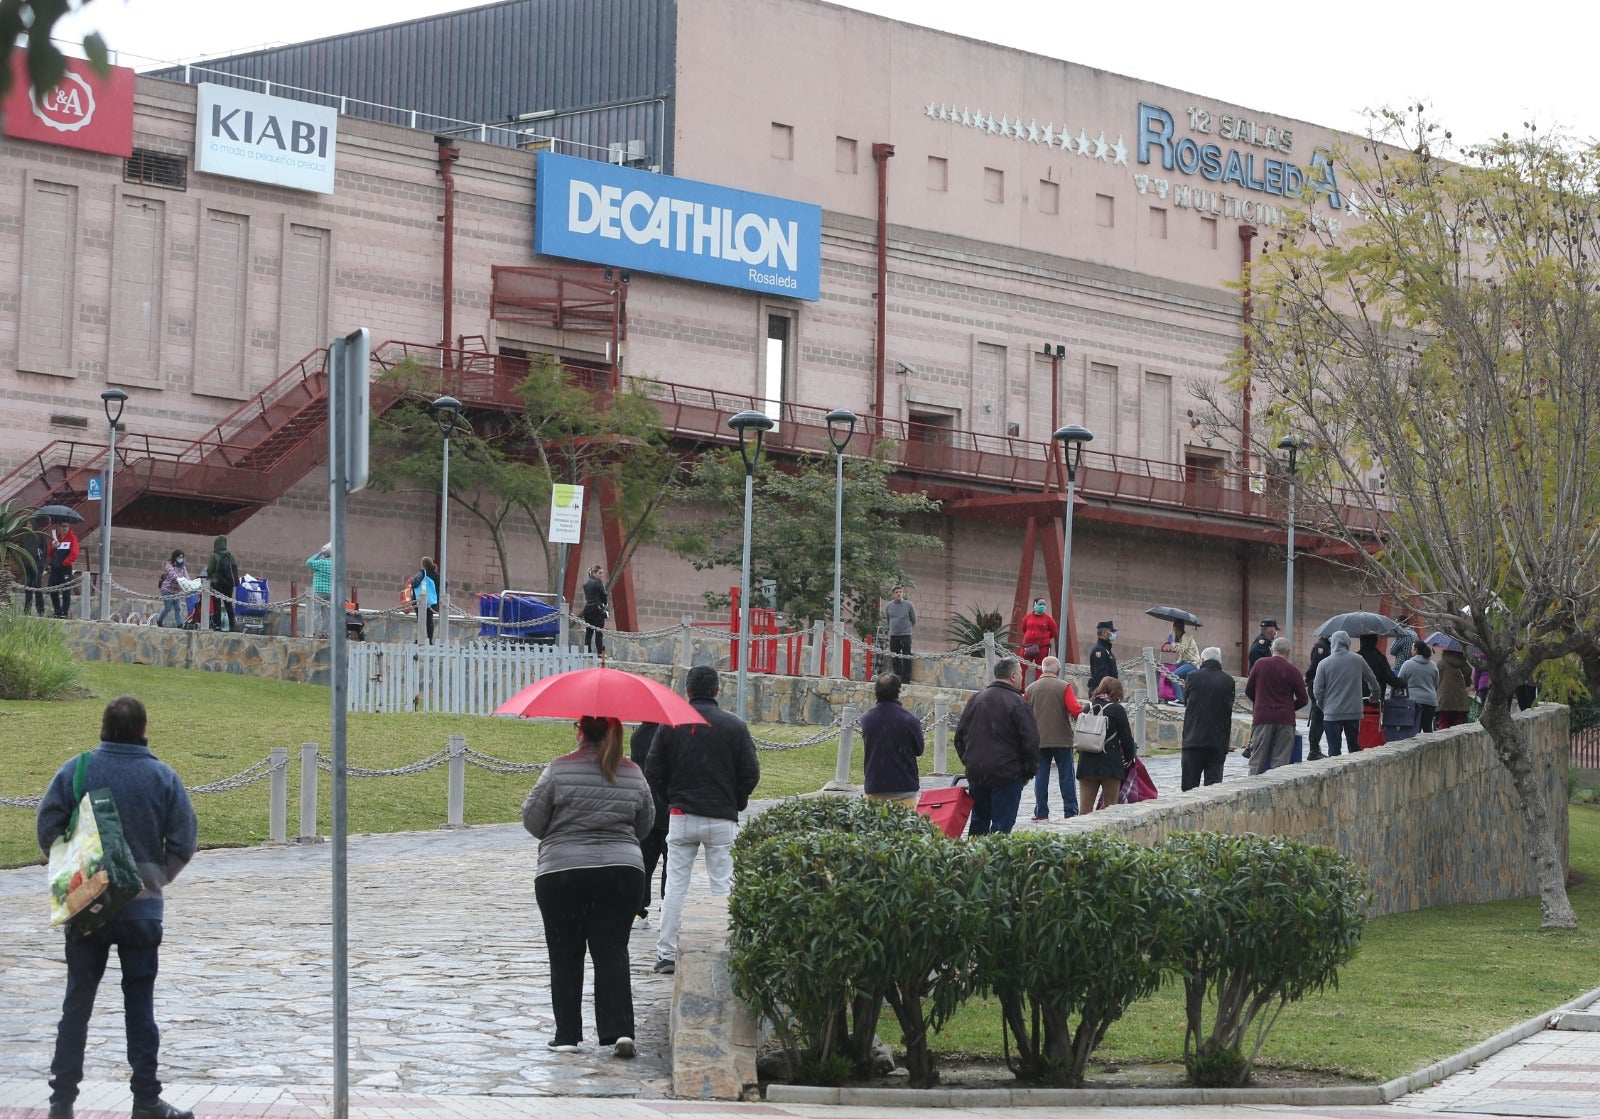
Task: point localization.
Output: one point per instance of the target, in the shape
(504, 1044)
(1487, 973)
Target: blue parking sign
(94, 489)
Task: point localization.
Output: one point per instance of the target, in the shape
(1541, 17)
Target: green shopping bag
(92, 872)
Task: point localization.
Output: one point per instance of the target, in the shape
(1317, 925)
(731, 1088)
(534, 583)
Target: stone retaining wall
(299, 660)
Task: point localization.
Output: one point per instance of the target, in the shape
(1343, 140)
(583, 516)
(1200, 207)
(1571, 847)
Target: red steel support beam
(881, 154)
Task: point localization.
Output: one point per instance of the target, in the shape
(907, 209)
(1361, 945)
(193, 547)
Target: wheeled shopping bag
(949, 808)
(1402, 717)
(1371, 733)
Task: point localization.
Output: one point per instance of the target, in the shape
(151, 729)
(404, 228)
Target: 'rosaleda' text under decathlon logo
(677, 227)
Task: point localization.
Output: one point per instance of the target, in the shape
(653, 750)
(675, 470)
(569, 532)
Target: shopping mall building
(967, 245)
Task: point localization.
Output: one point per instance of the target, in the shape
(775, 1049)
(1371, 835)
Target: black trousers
(61, 600)
(652, 846)
(1202, 767)
(900, 656)
(590, 910)
(138, 949)
(33, 592)
(1315, 734)
(594, 634)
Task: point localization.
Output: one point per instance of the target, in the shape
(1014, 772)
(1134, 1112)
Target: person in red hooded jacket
(1038, 633)
(63, 557)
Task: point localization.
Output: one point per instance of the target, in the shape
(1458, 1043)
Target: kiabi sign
(677, 227)
(246, 135)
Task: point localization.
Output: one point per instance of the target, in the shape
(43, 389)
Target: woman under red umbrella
(589, 810)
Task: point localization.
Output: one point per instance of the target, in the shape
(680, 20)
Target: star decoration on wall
(1033, 132)
(1083, 142)
(1101, 147)
(1051, 135)
(1120, 150)
(932, 110)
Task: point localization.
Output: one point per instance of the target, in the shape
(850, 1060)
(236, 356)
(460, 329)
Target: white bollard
(686, 643)
(308, 793)
(456, 808)
(422, 613)
(278, 799)
(941, 737)
(841, 773)
(988, 659)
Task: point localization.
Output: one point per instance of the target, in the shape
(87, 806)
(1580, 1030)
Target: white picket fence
(470, 679)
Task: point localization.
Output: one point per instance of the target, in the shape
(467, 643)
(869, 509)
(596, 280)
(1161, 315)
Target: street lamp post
(1292, 445)
(446, 411)
(750, 451)
(1072, 438)
(839, 420)
(113, 400)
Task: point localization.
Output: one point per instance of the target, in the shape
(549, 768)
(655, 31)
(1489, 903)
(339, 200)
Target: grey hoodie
(1422, 680)
(1339, 679)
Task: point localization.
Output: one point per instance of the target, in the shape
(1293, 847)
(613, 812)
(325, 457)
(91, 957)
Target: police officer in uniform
(1262, 645)
(1102, 661)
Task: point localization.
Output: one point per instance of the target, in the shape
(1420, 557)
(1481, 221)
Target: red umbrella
(601, 691)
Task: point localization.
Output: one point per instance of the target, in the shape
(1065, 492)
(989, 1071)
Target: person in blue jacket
(159, 825)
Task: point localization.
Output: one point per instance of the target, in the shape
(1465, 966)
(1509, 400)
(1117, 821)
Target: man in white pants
(705, 774)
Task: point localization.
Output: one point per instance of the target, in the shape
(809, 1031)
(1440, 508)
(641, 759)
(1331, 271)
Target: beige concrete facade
(195, 299)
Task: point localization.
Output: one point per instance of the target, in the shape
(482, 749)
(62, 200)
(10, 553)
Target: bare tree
(1447, 343)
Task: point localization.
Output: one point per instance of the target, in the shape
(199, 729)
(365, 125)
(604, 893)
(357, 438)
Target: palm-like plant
(966, 630)
(16, 524)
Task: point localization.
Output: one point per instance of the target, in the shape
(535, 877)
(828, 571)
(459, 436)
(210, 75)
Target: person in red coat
(1038, 633)
(63, 557)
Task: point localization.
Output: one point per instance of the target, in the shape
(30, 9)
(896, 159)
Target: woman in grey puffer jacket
(589, 810)
(1421, 676)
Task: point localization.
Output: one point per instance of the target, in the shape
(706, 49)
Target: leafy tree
(34, 20)
(502, 464)
(791, 536)
(1449, 341)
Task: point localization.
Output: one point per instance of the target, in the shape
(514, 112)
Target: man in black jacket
(1207, 720)
(706, 775)
(997, 739)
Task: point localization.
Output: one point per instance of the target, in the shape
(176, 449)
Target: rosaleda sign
(246, 135)
(1200, 156)
(677, 227)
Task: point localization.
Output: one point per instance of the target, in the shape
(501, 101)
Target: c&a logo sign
(86, 110)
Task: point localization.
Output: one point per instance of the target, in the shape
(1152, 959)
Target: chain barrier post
(455, 811)
(421, 604)
(841, 773)
(941, 737)
(988, 658)
(1150, 671)
(308, 793)
(816, 660)
(686, 643)
(85, 611)
(278, 804)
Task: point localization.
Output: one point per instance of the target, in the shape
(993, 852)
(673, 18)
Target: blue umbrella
(1444, 641)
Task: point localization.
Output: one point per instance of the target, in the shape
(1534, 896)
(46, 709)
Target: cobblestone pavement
(1554, 1073)
(449, 988)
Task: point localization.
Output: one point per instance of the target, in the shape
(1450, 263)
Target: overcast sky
(1485, 69)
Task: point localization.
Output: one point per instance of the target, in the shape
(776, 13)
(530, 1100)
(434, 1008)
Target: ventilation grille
(157, 169)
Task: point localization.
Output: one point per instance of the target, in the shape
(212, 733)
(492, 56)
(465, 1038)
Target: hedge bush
(841, 904)
(1268, 921)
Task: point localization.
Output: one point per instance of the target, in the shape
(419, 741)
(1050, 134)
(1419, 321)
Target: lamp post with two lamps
(1072, 437)
(113, 400)
(446, 412)
(752, 427)
(841, 429)
(1292, 445)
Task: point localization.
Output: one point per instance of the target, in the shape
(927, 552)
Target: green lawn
(210, 725)
(1424, 985)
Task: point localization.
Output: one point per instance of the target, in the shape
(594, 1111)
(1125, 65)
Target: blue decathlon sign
(656, 223)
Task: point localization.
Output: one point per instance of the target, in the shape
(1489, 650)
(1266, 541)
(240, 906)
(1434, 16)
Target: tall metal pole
(1066, 561)
(337, 481)
(838, 556)
(105, 526)
(1288, 610)
(444, 545)
(744, 591)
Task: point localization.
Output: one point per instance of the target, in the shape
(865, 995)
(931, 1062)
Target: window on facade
(782, 141)
(1158, 223)
(1155, 418)
(1101, 404)
(844, 155)
(777, 362)
(938, 173)
(1208, 233)
(994, 184)
(929, 427)
(1049, 197)
(1104, 210)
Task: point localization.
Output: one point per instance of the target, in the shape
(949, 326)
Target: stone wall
(299, 660)
(1434, 818)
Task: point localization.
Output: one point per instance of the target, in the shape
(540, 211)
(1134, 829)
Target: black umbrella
(1360, 623)
(59, 513)
(1173, 614)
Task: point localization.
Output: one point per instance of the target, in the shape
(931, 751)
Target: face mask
(1038, 609)
(1112, 636)
(179, 561)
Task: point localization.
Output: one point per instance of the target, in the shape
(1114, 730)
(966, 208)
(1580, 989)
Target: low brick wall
(299, 660)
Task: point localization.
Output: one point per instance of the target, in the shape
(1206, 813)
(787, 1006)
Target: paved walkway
(449, 1003)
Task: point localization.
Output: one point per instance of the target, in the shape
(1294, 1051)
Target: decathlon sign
(246, 135)
(655, 223)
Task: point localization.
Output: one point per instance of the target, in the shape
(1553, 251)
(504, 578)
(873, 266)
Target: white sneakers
(624, 1047)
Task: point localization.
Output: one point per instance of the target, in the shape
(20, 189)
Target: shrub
(35, 660)
(1268, 921)
(831, 813)
(964, 631)
(823, 919)
(1079, 925)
